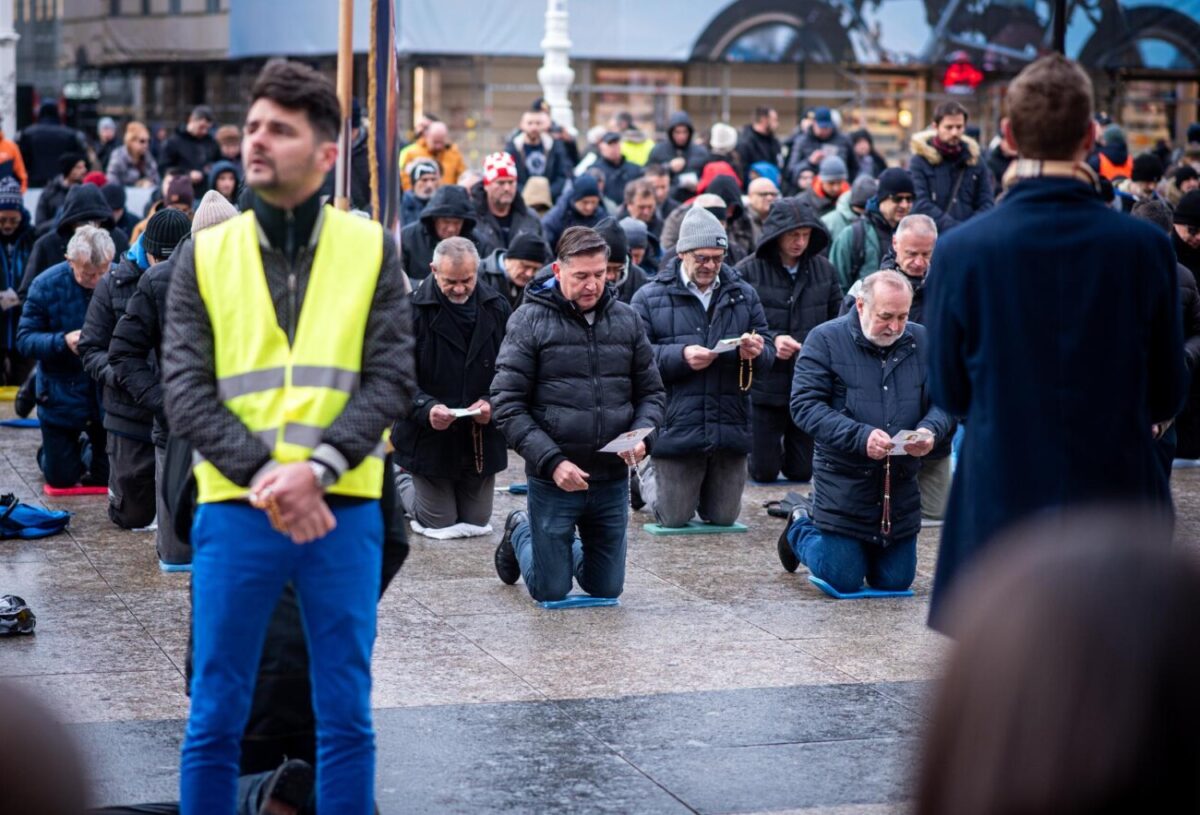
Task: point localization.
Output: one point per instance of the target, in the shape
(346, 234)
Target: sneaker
(289, 789)
(507, 567)
(787, 557)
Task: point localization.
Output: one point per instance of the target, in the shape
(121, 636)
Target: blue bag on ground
(19, 520)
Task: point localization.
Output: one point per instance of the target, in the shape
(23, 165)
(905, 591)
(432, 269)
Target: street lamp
(555, 76)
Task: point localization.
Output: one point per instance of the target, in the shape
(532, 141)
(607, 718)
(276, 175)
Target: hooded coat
(487, 225)
(806, 143)
(934, 177)
(845, 387)
(873, 163)
(455, 371)
(122, 412)
(707, 411)
(492, 274)
(14, 256)
(694, 155)
(84, 203)
(564, 388)
(226, 166)
(793, 305)
(417, 241)
(1058, 405)
(564, 215)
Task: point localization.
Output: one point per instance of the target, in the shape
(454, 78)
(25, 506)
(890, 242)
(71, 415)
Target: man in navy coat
(1055, 331)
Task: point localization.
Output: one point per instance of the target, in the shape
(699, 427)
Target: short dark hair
(655, 171)
(1050, 108)
(296, 86)
(1155, 211)
(949, 109)
(762, 112)
(639, 186)
(581, 241)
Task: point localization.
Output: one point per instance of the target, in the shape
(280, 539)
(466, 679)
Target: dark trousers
(66, 457)
(779, 446)
(131, 502)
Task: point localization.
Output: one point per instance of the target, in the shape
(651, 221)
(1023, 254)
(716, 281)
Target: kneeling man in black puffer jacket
(574, 372)
(860, 380)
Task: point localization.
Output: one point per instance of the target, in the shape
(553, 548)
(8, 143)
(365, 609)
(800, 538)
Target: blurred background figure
(41, 769)
(1073, 688)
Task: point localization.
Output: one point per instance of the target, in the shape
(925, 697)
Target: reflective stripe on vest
(289, 395)
(1110, 170)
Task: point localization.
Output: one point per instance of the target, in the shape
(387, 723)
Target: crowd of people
(747, 308)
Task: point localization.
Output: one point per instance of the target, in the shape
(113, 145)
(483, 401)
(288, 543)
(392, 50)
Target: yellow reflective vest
(288, 395)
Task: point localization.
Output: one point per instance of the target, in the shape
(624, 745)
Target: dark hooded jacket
(753, 147)
(137, 344)
(694, 154)
(564, 216)
(456, 371)
(487, 225)
(14, 257)
(182, 149)
(845, 386)
(122, 413)
(616, 176)
(806, 143)
(411, 207)
(492, 274)
(54, 194)
(564, 388)
(935, 176)
(793, 305)
(84, 203)
(873, 163)
(631, 277)
(44, 143)
(707, 411)
(417, 241)
(225, 166)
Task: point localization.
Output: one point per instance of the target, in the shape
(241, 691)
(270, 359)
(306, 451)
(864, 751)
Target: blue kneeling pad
(861, 594)
(580, 601)
(515, 489)
(694, 528)
(30, 422)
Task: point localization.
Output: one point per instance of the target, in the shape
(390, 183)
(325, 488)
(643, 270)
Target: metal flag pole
(345, 91)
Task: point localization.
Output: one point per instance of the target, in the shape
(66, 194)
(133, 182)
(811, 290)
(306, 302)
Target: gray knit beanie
(863, 190)
(635, 233)
(700, 230)
(213, 209)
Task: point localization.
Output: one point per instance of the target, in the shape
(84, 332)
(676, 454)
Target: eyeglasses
(902, 199)
(707, 260)
(765, 194)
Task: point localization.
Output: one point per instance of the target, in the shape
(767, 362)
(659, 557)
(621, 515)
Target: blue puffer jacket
(845, 386)
(57, 305)
(706, 410)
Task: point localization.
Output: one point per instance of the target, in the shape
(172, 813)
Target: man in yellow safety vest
(286, 355)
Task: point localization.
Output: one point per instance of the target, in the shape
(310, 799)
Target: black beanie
(164, 232)
(1186, 172)
(1187, 211)
(894, 181)
(527, 246)
(114, 196)
(67, 162)
(1146, 167)
(614, 236)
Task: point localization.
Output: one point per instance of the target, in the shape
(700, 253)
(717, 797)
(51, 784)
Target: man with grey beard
(866, 507)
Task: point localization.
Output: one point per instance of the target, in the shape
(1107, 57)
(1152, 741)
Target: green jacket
(841, 216)
(843, 253)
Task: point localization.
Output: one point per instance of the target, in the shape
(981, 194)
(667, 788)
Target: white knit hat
(723, 138)
(214, 209)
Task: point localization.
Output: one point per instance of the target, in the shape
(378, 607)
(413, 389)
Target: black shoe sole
(508, 569)
(291, 785)
(786, 556)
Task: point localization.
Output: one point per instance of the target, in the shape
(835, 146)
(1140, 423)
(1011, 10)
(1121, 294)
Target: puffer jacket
(410, 208)
(845, 386)
(57, 305)
(934, 178)
(793, 305)
(487, 225)
(454, 371)
(417, 241)
(694, 155)
(193, 405)
(84, 203)
(706, 410)
(564, 216)
(564, 388)
(122, 413)
(137, 344)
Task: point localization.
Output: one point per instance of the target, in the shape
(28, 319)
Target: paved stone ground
(721, 684)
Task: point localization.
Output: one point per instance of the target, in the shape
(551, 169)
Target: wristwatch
(324, 474)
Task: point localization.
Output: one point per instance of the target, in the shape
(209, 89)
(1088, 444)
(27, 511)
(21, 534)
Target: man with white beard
(860, 381)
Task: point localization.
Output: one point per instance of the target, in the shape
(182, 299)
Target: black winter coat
(487, 225)
(754, 147)
(706, 410)
(934, 178)
(845, 387)
(454, 371)
(793, 305)
(122, 413)
(184, 150)
(57, 305)
(805, 144)
(43, 144)
(616, 176)
(693, 154)
(564, 388)
(137, 342)
(84, 203)
(417, 241)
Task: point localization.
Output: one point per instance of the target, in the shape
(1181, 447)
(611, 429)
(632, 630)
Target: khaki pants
(934, 481)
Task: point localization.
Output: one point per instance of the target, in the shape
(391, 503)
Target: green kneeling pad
(695, 528)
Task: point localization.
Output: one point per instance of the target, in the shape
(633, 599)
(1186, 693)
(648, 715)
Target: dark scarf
(950, 152)
(464, 315)
(288, 235)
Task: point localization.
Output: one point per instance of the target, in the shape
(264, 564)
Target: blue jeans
(844, 562)
(550, 554)
(239, 568)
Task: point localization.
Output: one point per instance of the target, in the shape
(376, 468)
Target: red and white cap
(498, 165)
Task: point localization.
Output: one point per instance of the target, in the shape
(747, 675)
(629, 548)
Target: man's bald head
(436, 136)
(762, 192)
